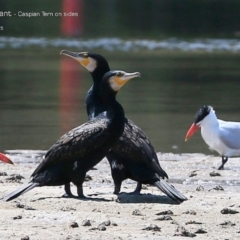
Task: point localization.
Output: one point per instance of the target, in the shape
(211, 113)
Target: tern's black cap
(202, 113)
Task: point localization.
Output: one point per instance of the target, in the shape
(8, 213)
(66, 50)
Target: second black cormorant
(83, 147)
(133, 156)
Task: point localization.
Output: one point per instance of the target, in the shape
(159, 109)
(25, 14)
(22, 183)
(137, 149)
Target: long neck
(115, 114)
(98, 73)
(210, 121)
(94, 103)
(210, 130)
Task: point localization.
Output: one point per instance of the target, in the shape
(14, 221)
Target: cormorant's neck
(115, 112)
(97, 76)
(117, 120)
(94, 103)
(98, 73)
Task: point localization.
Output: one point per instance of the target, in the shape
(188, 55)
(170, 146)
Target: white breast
(223, 137)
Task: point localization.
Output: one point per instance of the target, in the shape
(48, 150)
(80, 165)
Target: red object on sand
(5, 159)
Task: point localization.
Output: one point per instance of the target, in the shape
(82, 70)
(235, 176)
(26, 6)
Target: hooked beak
(191, 131)
(117, 82)
(78, 56)
(69, 54)
(127, 77)
(5, 159)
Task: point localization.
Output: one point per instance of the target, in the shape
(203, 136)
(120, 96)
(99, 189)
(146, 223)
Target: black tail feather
(170, 191)
(20, 191)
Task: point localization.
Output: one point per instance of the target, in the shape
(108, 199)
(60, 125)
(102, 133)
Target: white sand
(53, 216)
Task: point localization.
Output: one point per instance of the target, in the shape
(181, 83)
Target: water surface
(43, 93)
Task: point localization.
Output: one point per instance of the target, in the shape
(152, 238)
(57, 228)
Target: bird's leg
(80, 191)
(138, 189)
(117, 188)
(224, 160)
(67, 189)
(78, 178)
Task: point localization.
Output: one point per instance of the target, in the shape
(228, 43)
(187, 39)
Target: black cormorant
(83, 147)
(134, 156)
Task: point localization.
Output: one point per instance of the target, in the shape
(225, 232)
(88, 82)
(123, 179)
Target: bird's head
(91, 61)
(117, 79)
(200, 116)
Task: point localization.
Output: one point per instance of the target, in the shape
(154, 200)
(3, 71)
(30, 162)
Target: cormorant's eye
(119, 74)
(85, 54)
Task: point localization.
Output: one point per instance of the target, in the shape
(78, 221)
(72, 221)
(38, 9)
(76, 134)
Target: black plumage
(133, 156)
(83, 147)
(202, 113)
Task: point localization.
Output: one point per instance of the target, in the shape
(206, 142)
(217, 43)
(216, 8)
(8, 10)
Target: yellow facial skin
(84, 62)
(90, 64)
(121, 77)
(119, 81)
(83, 58)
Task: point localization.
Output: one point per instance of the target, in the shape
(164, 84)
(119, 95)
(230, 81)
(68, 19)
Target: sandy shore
(211, 211)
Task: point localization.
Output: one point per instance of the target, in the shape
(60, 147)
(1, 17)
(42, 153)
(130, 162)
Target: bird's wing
(230, 134)
(76, 144)
(152, 160)
(135, 146)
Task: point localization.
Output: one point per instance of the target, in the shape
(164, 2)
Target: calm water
(42, 93)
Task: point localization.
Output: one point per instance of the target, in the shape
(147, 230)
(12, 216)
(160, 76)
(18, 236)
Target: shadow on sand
(121, 198)
(144, 198)
(80, 199)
